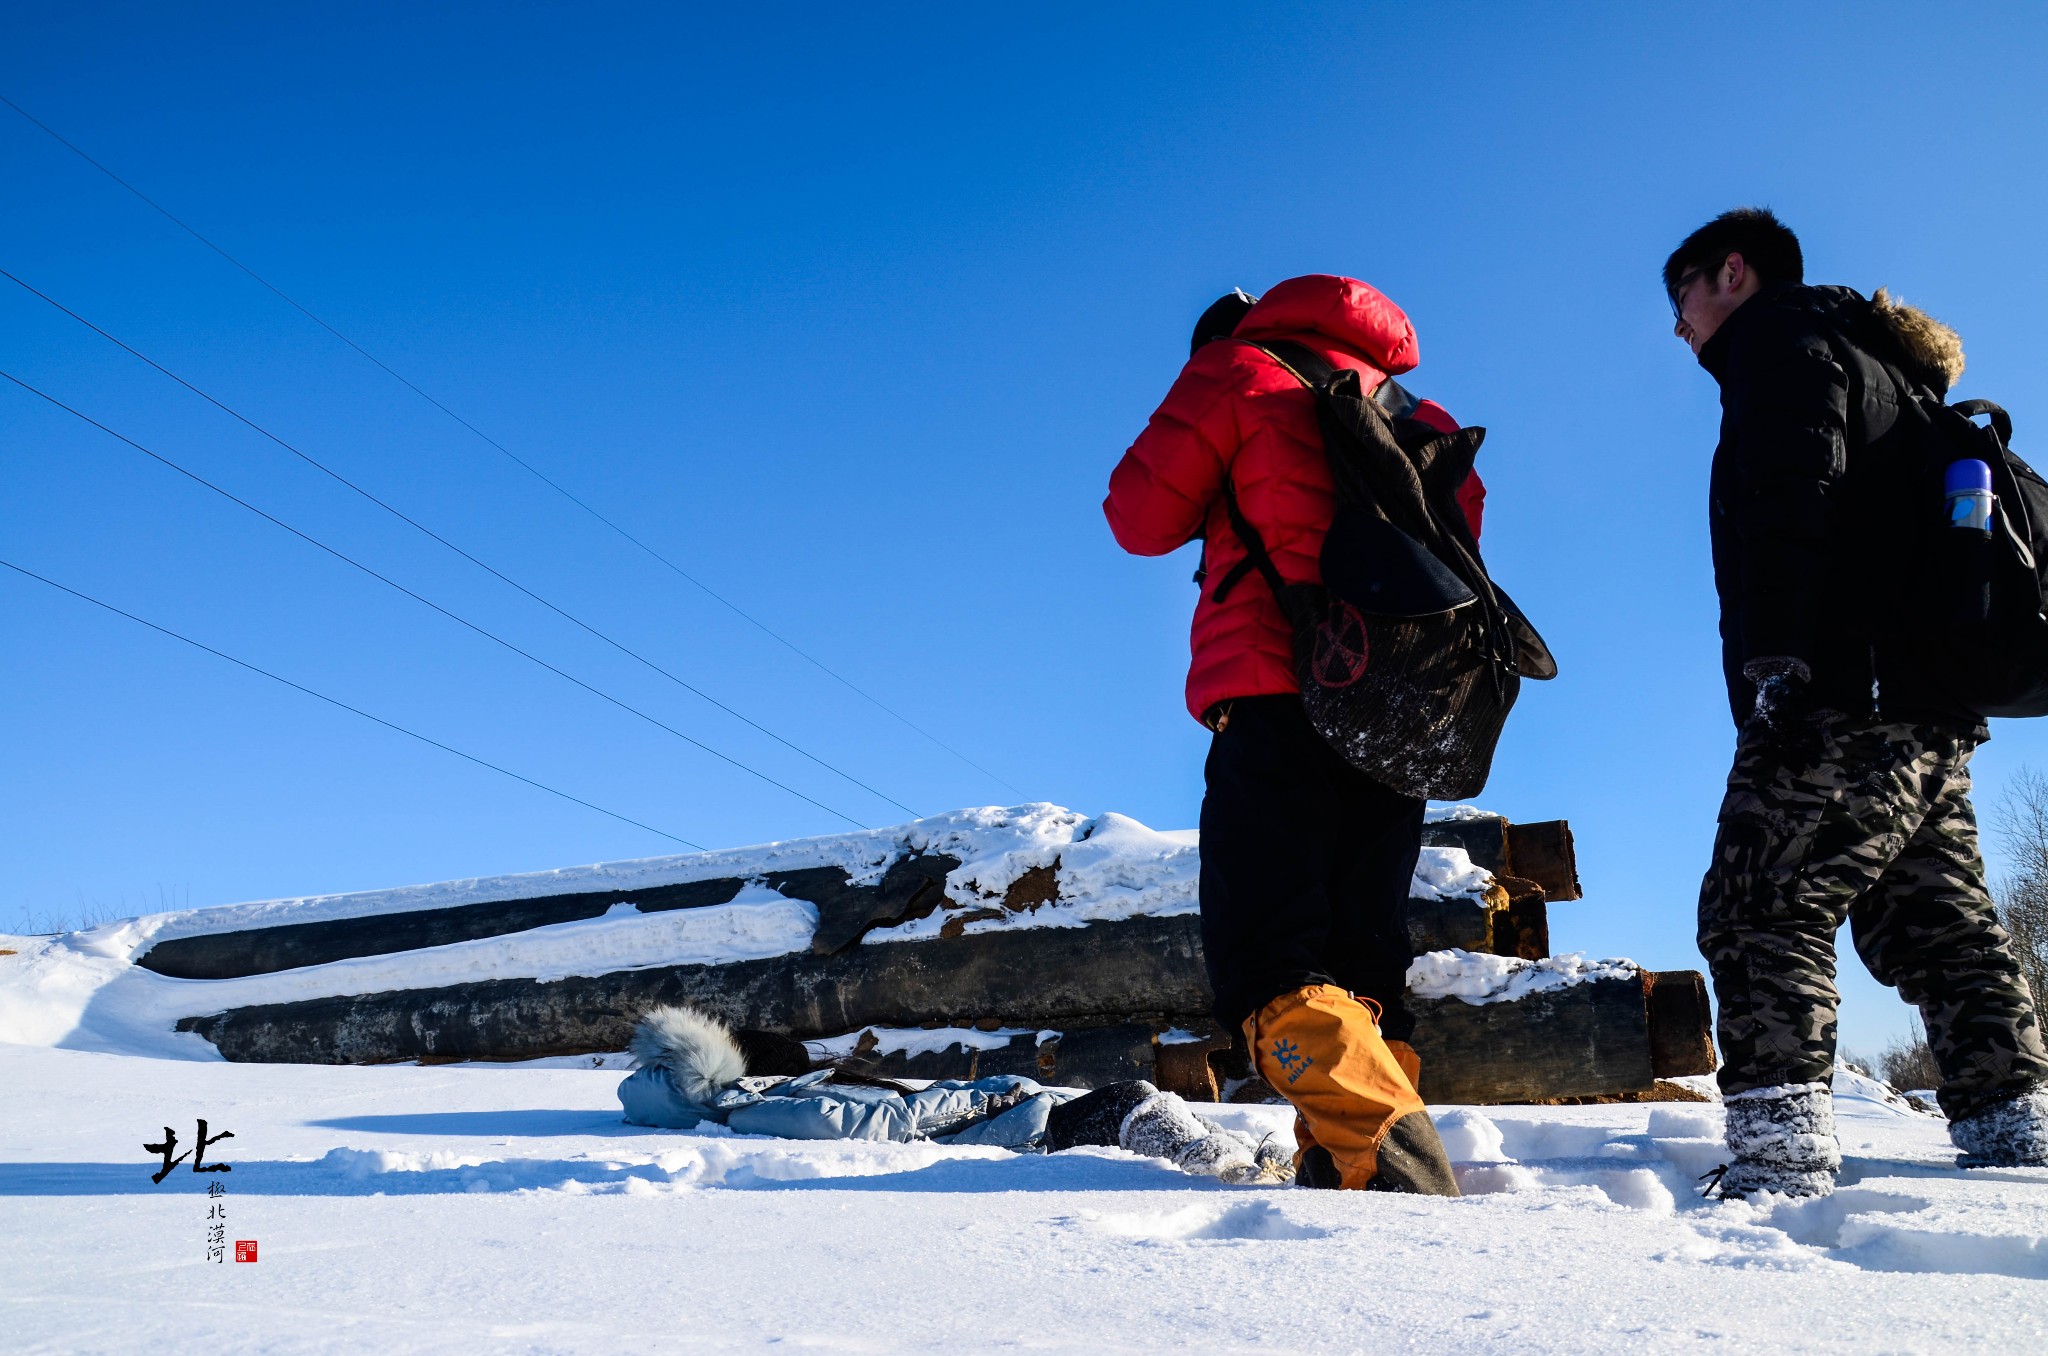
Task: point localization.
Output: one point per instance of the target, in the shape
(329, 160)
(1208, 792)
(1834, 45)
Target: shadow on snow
(354, 1172)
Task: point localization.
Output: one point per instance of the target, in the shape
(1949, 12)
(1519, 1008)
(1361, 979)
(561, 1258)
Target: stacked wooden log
(1027, 989)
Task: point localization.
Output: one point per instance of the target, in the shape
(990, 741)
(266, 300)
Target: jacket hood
(1345, 311)
(696, 1049)
(1928, 349)
(1925, 349)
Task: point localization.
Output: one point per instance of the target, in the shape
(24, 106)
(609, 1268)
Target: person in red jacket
(1306, 860)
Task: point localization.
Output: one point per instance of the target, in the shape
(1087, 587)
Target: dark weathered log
(911, 888)
(1189, 1067)
(260, 951)
(1450, 924)
(1094, 1057)
(1522, 928)
(1586, 1040)
(1039, 977)
(1511, 921)
(1021, 1055)
(1681, 1023)
(1109, 987)
(1483, 839)
(1083, 1057)
(1544, 853)
(1663, 1090)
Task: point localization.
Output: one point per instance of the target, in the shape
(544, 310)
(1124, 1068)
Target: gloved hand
(1784, 718)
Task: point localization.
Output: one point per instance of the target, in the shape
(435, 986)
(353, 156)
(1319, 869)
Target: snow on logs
(1030, 940)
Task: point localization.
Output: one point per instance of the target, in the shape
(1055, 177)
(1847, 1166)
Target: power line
(521, 462)
(352, 710)
(196, 478)
(414, 523)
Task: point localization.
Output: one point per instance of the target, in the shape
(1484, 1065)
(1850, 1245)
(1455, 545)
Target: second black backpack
(1992, 651)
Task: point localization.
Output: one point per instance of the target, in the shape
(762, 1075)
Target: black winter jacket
(1818, 502)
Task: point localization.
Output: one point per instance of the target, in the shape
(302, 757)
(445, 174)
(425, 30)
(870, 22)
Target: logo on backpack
(1291, 1059)
(1341, 647)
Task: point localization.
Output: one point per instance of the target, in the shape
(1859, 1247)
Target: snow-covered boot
(1783, 1141)
(1276, 1164)
(1162, 1126)
(2008, 1134)
(1272, 1164)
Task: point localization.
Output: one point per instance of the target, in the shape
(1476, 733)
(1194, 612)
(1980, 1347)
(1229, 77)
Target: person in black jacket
(1849, 798)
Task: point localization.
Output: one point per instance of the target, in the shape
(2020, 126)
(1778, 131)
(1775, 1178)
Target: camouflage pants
(1879, 833)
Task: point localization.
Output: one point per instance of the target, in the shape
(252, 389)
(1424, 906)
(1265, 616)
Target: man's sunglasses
(1685, 280)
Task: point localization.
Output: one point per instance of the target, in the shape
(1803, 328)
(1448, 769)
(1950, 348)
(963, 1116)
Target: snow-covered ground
(489, 1208)
(508, 1209)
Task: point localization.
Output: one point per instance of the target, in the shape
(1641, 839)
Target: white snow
(1113, 867)
(916, 1040)
(1110, 867)
(1448, 873)
(1453, 814)
(1477, 977)
(456, 1209)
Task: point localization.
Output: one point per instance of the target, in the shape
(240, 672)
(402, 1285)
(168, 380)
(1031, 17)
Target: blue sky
(849, 313)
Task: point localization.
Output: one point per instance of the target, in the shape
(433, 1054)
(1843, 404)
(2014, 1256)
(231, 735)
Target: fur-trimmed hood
(1924, 350)
(1929, 350)
(697, 1050)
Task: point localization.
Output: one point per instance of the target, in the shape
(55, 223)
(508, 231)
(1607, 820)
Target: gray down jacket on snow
(1006, 1111)
(691, 1071)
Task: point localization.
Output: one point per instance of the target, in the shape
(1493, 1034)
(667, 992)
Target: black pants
(1306, 864)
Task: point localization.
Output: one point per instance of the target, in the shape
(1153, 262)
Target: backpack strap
(1256, 556)
(1311, 369)
(1314, 371)
(2001, 422)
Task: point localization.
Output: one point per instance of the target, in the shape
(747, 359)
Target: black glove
(1784, 719)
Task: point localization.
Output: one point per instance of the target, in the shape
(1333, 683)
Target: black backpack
(1408, 656)
(1988, 596)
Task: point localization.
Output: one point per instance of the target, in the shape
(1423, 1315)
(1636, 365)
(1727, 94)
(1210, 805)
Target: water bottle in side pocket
(1971, 505)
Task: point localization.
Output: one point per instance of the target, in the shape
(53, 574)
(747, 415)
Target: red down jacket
(1235, 412)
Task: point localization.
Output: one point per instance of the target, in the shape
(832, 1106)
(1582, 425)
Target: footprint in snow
(1247, 1221)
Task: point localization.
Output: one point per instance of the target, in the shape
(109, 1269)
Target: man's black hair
(1221, 318)
(1765, 243)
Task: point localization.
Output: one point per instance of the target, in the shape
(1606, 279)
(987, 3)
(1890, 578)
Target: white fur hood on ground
(696, 1049)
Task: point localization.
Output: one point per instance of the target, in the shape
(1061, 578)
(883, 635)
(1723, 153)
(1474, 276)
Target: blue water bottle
(1970, 500)
(1968, 554)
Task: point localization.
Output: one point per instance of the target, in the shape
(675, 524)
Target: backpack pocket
(1383, 572)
